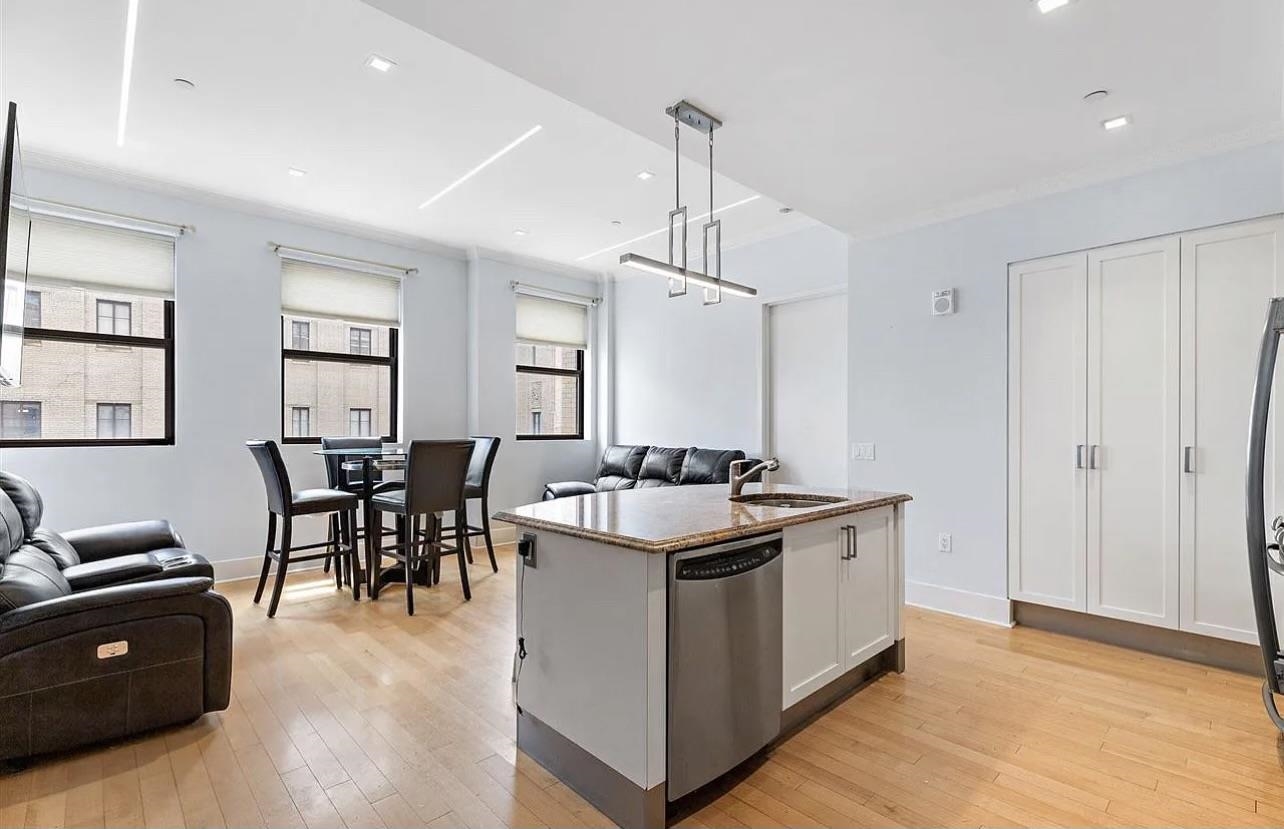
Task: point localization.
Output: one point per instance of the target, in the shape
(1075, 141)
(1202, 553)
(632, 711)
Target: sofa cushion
(621, 462)
(708, 466)
(661, 465)
(29, 576)
(30, 506)
(55, 546)
(607, 483)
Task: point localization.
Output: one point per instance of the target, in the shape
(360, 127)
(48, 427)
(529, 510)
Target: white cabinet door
(1047, 431)
(812, 621)
(869, 586)
(1134, 452)
(1228, 274)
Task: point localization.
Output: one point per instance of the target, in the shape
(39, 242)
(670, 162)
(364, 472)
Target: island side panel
(594, 633)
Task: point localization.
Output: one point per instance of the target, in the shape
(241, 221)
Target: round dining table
(368, 461)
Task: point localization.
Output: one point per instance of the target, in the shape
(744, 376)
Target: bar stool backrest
(481, 462)
(336, 476)
(435, 475)
(276, 480)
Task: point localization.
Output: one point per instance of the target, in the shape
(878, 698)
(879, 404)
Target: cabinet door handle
(842, 556)
(855, 543)
(1078, 455)
(1188, 459)
(1093, 456)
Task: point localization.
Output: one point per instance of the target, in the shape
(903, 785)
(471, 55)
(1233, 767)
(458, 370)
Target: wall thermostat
(943, 302)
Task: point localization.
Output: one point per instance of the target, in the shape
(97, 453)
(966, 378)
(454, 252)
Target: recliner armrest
(110, 540)
(102, 599)
(565, 489)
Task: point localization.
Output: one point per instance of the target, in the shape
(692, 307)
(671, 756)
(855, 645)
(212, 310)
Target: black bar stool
(339, 478)
(435, 472)
(285, 502)
(477, 487)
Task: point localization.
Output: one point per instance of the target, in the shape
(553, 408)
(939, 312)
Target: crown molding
(1171, 156)
(109, 175)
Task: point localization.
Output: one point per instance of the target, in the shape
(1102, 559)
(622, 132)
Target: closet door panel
(1133, 417)
(1046, 425)
(1228, 274)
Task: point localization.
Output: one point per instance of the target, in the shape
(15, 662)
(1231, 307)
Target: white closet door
(1134, 402)
(1046, 429)
(1228, 274)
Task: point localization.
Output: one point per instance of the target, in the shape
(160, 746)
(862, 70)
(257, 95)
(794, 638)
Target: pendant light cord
(677, 169)
(710, 182)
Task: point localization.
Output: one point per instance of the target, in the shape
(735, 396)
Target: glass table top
(382, 451)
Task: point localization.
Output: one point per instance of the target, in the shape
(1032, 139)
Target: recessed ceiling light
(1046, 6)
(380, 64)
(512, 145)
(127, 70)
(519, 232)
(1116, 123)
(297, 173)
(646, 175)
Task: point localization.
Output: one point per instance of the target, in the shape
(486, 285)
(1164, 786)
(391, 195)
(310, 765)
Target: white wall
(523, 467)
(931, 391)
(688, 375)
(228, 376)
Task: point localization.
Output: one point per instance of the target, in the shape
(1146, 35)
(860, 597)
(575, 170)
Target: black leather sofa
(104, 632)
(641, 467)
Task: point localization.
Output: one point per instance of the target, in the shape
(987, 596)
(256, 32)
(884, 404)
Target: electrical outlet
(944, 543)
(862, 451)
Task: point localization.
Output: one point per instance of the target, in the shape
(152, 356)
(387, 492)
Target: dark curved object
(104, 633)
(1260, 561)
(645, 467)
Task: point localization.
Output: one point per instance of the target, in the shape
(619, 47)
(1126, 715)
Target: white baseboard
(995, 610)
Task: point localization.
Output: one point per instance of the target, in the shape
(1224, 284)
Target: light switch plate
(944, 543)
(862, 451)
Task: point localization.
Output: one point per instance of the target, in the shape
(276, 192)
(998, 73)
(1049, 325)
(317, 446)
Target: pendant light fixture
(676, 270)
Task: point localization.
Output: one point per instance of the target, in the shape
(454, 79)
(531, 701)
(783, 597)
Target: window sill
(548, 437)
(90, 443)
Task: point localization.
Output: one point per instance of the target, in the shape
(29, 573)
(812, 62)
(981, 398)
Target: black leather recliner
(643, 467)
(104, 632)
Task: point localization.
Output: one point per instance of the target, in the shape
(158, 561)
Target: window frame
(369, 420)
(164, 343)
(39, 404)
(115, 417)
(362, 333)
(294, 334)
(115, 305)
(391, 361)
(27, 295)
(306, 412)
(578, 374)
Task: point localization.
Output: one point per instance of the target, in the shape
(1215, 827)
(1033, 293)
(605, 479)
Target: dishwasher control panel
(721, 565)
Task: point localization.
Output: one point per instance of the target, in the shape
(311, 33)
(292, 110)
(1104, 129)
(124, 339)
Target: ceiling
(283, 83)
(879, 114)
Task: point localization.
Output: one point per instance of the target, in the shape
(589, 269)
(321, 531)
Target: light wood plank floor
(354, 714)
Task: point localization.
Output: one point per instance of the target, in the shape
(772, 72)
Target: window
(115, 421)
(359, 423)
(552, 337)
(98, 355)
(114, 317)
(19, 420)
(31, 310)
(301, 335)
(345, 372)
(359, 340)
(300, 421)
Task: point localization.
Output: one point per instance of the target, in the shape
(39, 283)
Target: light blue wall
(931, 392)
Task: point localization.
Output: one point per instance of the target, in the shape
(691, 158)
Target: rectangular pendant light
(654, 266)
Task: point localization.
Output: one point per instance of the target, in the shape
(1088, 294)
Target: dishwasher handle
(725, 565)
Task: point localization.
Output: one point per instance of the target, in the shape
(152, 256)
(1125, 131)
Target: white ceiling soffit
(876, 115)
(284, 84)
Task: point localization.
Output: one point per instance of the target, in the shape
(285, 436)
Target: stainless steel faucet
(739, 479)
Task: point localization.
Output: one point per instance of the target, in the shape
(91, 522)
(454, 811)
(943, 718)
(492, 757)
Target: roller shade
(312, 290)
(542, 321)
(100, 258)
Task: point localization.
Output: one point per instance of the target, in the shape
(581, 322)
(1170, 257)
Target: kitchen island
(667, 634)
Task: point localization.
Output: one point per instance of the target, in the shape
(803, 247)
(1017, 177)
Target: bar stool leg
(374, 565)
(490, 545)
(435, 575)
(352, 554)
(332, 538)
(336, 539)
(460, 538)
(267, 557)
(408, 550)
(469, 550)
(281, 566)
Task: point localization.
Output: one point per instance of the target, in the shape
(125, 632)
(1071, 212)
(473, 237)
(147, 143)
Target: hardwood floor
(355, 714)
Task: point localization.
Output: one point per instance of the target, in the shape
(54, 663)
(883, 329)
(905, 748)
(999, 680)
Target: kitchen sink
(786, 500)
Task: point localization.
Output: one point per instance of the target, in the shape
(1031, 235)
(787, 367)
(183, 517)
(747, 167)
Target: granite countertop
(669, 519)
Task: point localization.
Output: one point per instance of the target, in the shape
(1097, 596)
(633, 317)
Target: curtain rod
(548, 293)
(352, 263)
(123, 221)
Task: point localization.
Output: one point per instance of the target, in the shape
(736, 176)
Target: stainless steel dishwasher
(724, 658)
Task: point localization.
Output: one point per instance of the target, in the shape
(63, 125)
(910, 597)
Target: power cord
(520, 656)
